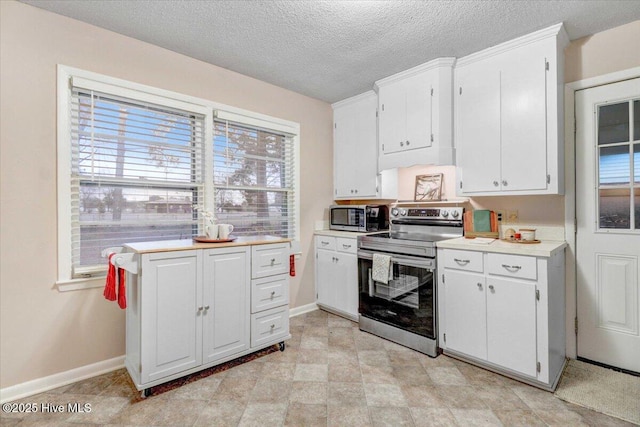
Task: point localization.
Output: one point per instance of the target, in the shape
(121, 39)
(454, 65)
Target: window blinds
(136, 172)
(253, 171)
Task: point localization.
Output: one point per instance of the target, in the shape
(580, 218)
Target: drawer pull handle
(324, 243)
(462, 261)
(512, 268)
(346, 246)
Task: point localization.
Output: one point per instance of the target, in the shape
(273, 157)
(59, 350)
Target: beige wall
(44, 331)
(606, 52)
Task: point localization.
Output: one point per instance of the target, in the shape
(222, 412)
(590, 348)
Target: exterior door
(608, 223)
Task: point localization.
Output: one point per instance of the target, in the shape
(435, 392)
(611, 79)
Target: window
(136, 171)
(619, 166)
(134, 161)
(253, 172)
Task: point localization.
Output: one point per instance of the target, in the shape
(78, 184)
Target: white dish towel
(381, 268)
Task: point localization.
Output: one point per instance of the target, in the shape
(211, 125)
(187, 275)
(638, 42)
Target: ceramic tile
(384, 395)
(203, 389)
(263, 414)
(311, 372)
(500, 398)
(432, 417)
(559, 417)
(378, 374)
(422, 396)
(518, 418)
(346, 394)
(278, 371)
(373, 358)
(313, 356)
(270, 391)
(220, 414)
(475, 417)
(415, 375)
(344, 373)
(461, 397)
(352, 416)
(391, 417)
(235, 389)
(299, 414)
(311, 393)
(446, 376)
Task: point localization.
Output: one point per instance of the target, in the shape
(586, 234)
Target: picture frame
(428, 188)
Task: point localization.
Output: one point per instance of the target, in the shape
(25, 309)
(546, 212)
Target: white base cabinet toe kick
(189, 309)
(504, 312)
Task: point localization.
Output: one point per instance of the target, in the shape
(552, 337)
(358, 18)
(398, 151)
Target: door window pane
(636, 163)
(636, 120)
(614, 165)
(614, 208)
(613, 123)
(636, 192)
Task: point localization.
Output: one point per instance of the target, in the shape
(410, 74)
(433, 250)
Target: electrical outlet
(512, 216)
(500, 215)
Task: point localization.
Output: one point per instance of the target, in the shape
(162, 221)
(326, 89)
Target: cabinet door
(393, 115)
(346, 282)
(511, 324)
(465, 313)
(226, 302)
(478, 127)
(325, 277)
(524, 118)
(356, 148)
(171, 329)
(419, 111)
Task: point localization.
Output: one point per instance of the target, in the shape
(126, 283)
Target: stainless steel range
(401, 307)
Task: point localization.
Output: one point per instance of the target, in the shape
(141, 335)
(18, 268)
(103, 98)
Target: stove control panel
(427, 213)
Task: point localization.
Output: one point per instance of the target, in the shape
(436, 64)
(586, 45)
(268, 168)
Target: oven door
(407, 301)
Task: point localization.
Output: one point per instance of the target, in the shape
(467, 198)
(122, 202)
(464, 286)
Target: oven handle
(426, 263)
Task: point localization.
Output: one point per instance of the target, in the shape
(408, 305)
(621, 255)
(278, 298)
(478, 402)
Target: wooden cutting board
(470, 232)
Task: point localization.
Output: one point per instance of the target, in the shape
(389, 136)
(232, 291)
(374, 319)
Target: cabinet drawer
(326, 242)
(269, 292)
(344, 244)
(463, 260)
(269, 260)
(269, 326)
(523, 267)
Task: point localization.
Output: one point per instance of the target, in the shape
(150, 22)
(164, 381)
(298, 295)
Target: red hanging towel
(122, 291)
(110, 285)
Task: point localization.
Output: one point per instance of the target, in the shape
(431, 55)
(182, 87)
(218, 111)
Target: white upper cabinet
(355, 151)
(508, 117)
(415, 116)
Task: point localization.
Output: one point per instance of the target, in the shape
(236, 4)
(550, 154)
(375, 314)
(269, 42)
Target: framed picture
(428, 187)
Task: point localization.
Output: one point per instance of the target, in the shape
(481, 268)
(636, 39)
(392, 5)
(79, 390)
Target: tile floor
(331, 374)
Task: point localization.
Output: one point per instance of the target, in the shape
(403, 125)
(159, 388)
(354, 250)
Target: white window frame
(115, 86)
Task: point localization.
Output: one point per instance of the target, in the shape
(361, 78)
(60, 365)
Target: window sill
(80, 284)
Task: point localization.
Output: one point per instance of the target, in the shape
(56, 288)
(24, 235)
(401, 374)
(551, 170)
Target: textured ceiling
(331, 50)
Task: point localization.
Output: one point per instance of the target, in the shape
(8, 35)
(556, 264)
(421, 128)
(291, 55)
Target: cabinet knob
(356, 191)
(273, 293)
(206, 307)
(273, 326)
(401, 144)
(407, 142)
(491, 287)
(504, 182)
(273, 261)
(200, 309)
(351, 191)
(480, 286)
(496, 183)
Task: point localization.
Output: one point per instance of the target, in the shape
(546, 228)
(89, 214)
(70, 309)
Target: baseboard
(40, 385)
(303, 309)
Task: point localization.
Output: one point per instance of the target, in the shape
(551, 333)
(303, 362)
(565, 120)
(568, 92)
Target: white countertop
(187, 244)
(546, 248)
(338, 233)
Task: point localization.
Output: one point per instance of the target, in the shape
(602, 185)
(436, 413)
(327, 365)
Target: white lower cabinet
(337, 275)
(505, 313)
(188, 310)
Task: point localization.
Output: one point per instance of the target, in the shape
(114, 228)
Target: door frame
(571, 290)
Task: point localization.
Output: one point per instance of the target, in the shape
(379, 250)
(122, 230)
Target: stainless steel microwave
(361, 218)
